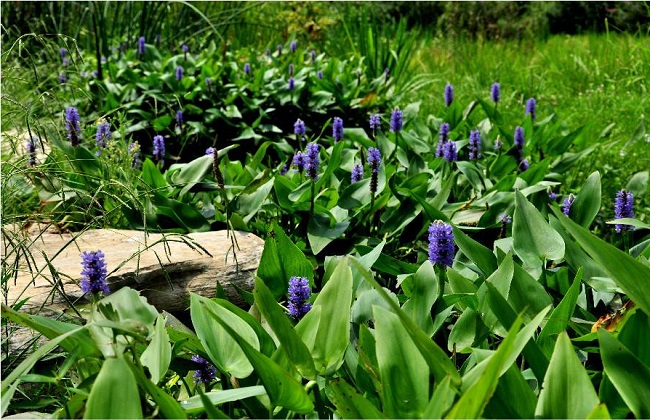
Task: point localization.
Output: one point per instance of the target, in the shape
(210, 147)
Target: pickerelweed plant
(441, 285)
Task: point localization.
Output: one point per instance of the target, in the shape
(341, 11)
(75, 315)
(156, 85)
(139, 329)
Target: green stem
(313, 197)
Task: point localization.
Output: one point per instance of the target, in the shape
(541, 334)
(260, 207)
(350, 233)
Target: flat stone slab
(164, 267)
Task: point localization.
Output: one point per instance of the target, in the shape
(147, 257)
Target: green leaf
(194, 405)
(404, 372)
(222, 348)
(349, 403)
(424, 292)
(169, 407)
(289, 340)
(631, 275)
(211, 411)
(333, 334)
(320, 234)
(158, 354)
(559, 319)
(160, 123)
(567, 391)
(282, 388)
(441, 400)
(468, 329)
(114, 394)
(476, 252)
(638, 184)
(476, 397)
(630, 376)
(587, 203)
(534, 240)
(151, 176)
(513, 397)
(281, 259)
(629, 222)
(437, 360)
(248, 202)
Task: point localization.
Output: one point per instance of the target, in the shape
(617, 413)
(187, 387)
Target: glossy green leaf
(289, 340)
(567, 391)
(476, 397)
(424, 293)
(534, 240)
(476, 252)
(158, 354)
(631, 275)
(404, 372)
(211, 411)
(560, 317)
(439, 363)
(169, 407)
(283, 389)
(513, 397)
(194, 405)
(222, 348)
(630, 376)
(587, 203)
(333, 334)
(441, 401)
(281, 259)
(349, 403)
(468, 329)
(114, 395)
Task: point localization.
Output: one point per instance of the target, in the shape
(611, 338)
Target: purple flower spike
(63, 52)
(495, 92)
(551, 195)
(179, 119)
(66, 62)
(449, 95)
(205, 373)
(337, 130)
(208, 82)
(566, 206)
(210, 151)
(312, 164)
(519, 138)
(179, 73)
(319, 74)
(475, 145)
(284, 169)
(30, 147)
(449, 151)
(279, 49)
(185, 48)
(505, 219)
(524, 165)
(141, 45)
(62, 78)
(444, 136)
(357, 173)
(375, 122)
(93, 275)
(292, 84)
(247, 69)
(623, 209)
(158, 148)
(103, 134)
(441, 244)
(396, 120)
(293, 46)
(291, 69)
(374, 161)
(299, 161)
(531, 108)
(312, 54)
(497, 144)
(72, 125)
(299, 127)
(299, 294)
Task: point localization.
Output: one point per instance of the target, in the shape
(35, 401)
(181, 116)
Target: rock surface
(46, 266)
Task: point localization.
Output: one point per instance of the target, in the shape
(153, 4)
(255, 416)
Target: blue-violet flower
(441, 244)
(93, 275)
(396, 120)
(299, 297)
(623, 209)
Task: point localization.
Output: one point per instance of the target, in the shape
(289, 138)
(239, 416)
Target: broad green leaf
(635, 335)
(586, 205)
(349, 403)
(638, 184)
(631, 275)
(283, 389)
(599, 412)
(248, 203)
(513, 397)
(114, 395)
(333, 334)
(281, 259)
(559, 319)
(423, 295)
(289, 340)
(475, 398)
(630, 376)
(404, 372)
(211, 411)
(158, 354)
(169, 407)
(468, 329)
(320, 234)
(194, 405)
(222, 348)
(567, 391)
(534, 240)
(439, 363)
(629, 222)
(443, 397)
(151, 176)
(476, 252)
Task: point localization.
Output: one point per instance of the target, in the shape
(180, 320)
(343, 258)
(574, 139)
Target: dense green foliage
(508, 329)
